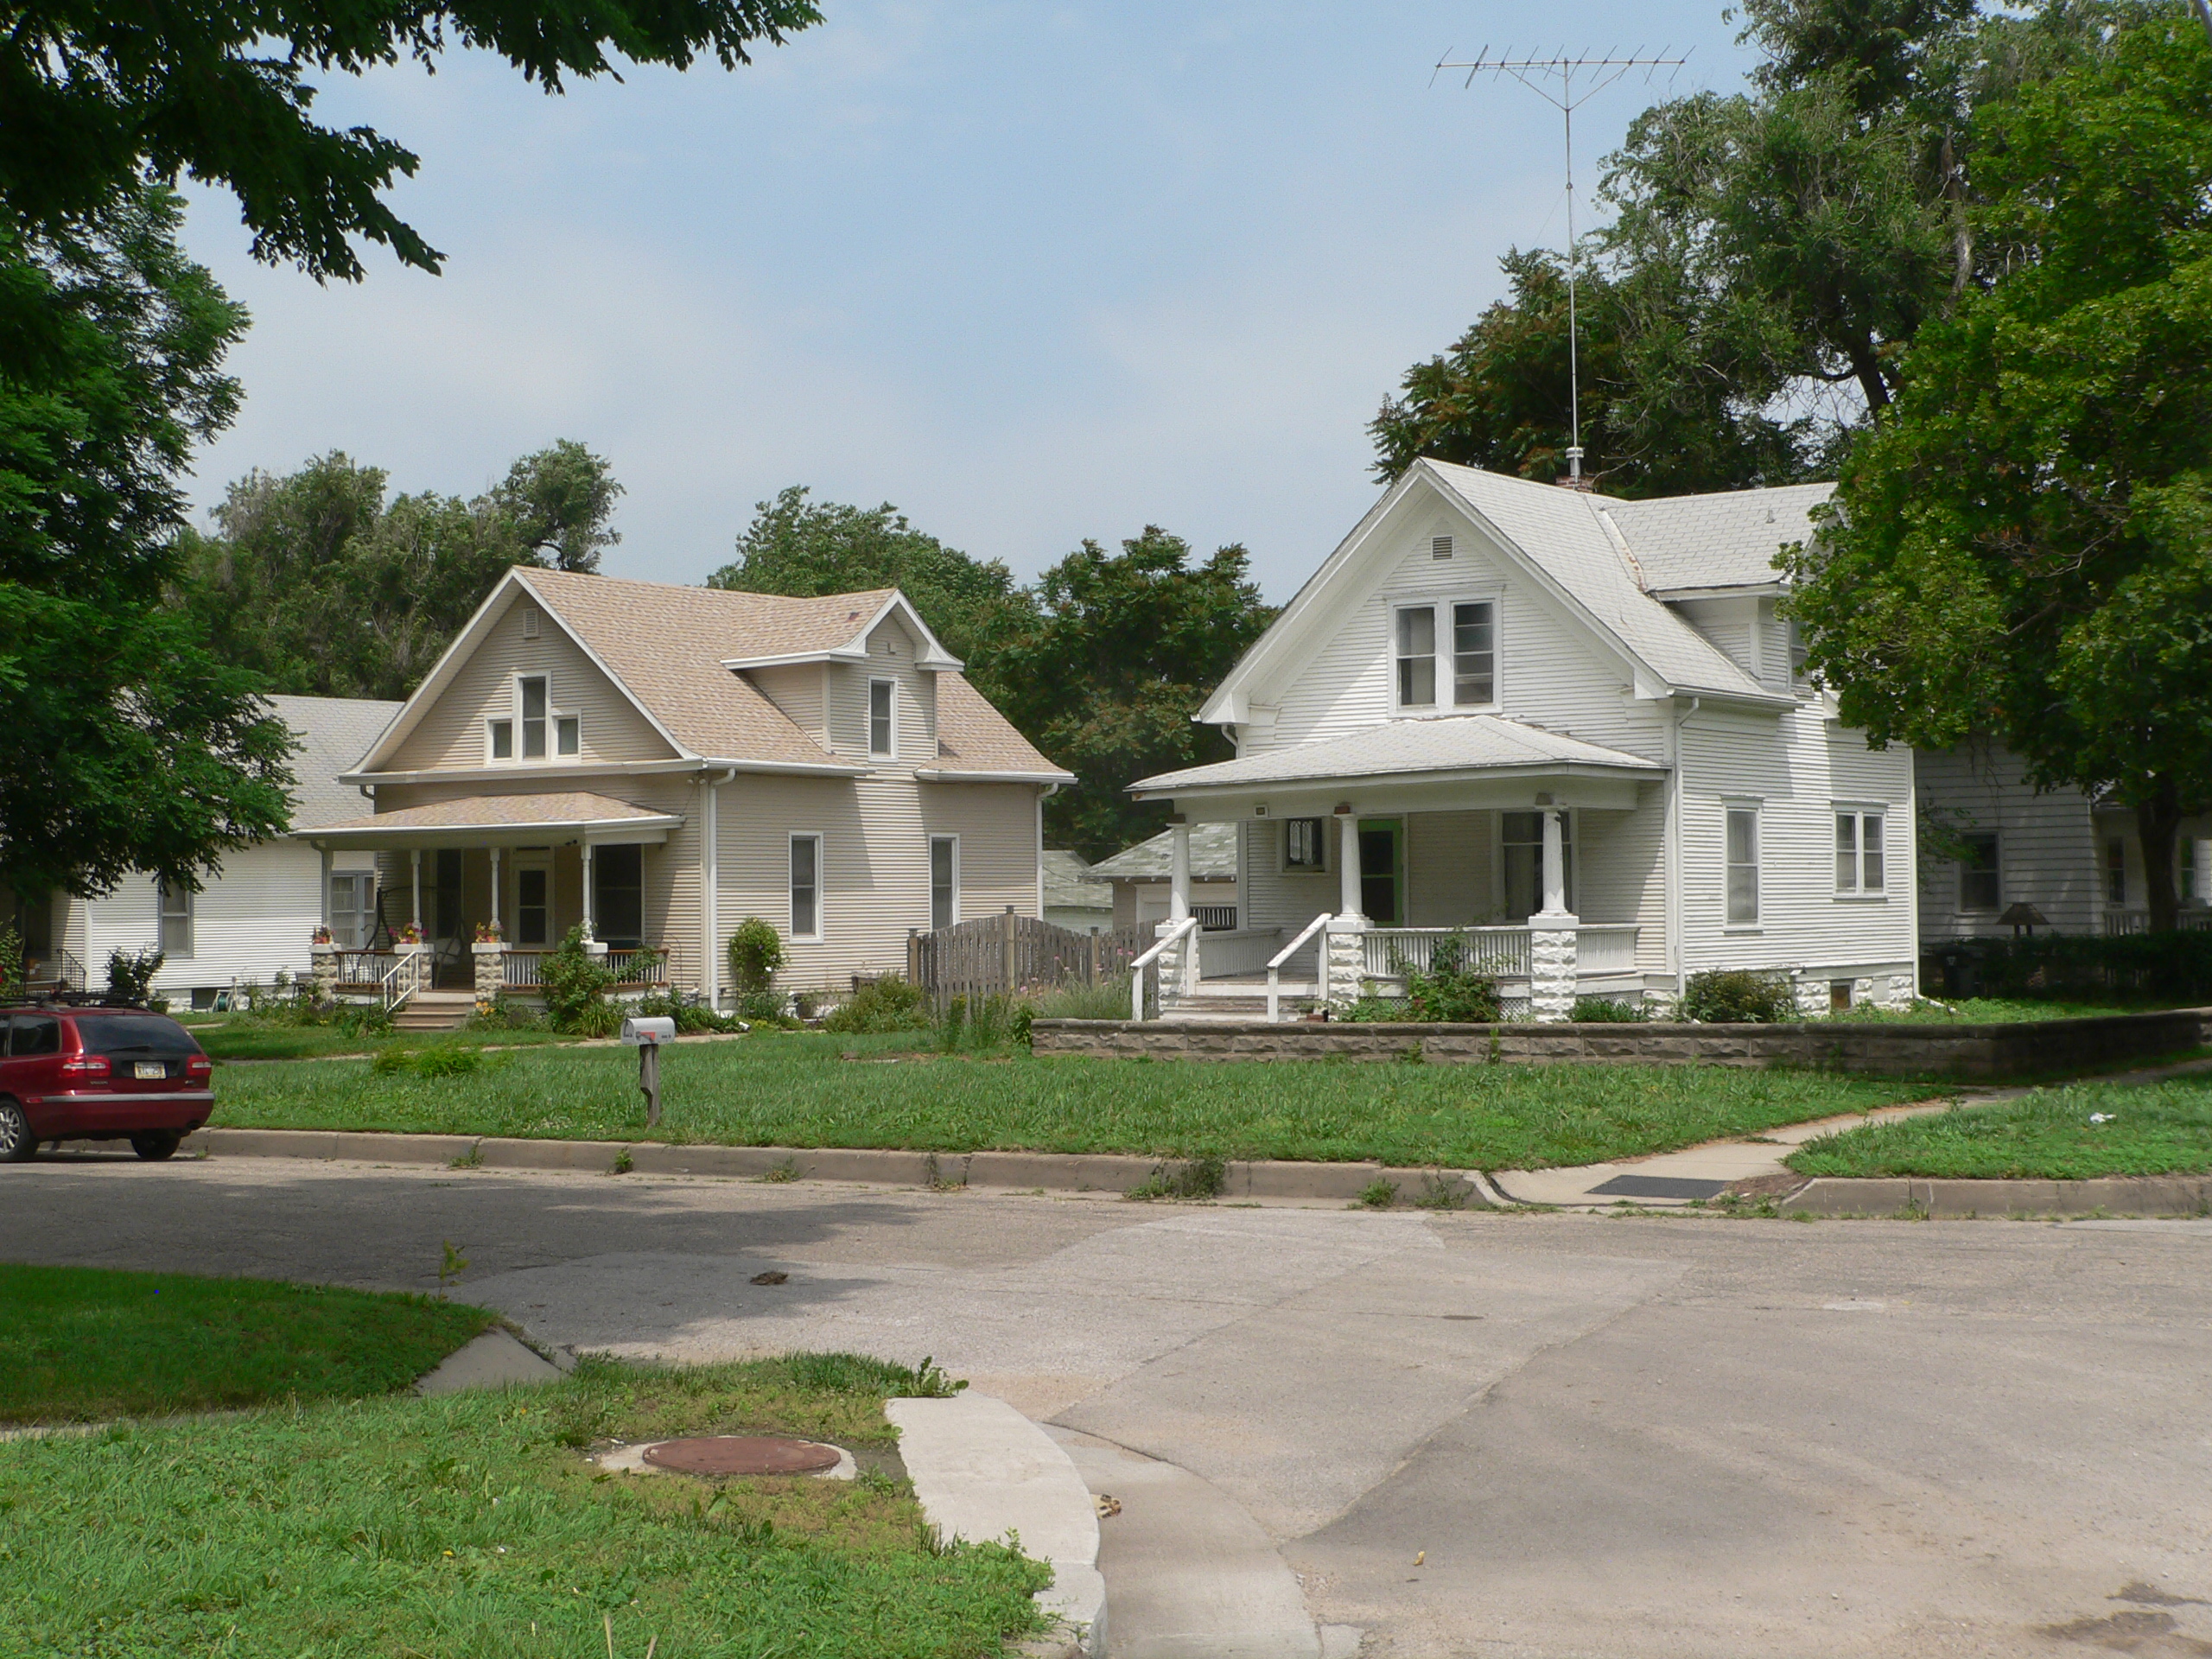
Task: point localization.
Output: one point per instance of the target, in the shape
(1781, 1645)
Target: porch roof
(1404, 750)
(484, 820)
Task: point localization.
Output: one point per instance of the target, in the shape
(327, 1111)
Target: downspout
(1912, 864)
(1678, 719)
(710, 880)
(1043, 795)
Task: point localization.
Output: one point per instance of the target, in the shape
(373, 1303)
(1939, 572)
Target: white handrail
(1183, 930)
(387, 993)
(1274, 967)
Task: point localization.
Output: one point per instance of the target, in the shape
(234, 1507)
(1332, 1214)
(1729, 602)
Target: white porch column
(1554, 864)
(324, 907)
(589, 934)
(1348, 865)
(495, 889)
(1178, 873)
(415, 857)
(1553, 949)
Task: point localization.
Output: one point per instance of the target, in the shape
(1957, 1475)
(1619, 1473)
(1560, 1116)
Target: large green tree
(1122, 650)
(801, 546)
(314, 580)
(2023, 547)
(131, 746)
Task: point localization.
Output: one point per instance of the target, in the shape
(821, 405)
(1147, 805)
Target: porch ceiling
(503, 820)
(1466, 759)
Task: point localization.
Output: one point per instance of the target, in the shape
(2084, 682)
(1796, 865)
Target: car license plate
(146, 1070)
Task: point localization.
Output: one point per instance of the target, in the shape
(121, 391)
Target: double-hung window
(1742, 866)
(353, 908)
(944, 880)
(1859, 867)
(533, 700)
(177, 920)
(806, 887)
(1982, 885)
(2115, 872)
(1417, 656)
(1305, 844)
(1457, 641)
(545, 730)
(882, 704)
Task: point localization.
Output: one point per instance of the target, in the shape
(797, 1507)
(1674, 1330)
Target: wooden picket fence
(1008, 955)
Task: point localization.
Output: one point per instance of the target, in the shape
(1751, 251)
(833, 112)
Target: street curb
(1035, 1171)
(983, 1471)
(2124, 1195)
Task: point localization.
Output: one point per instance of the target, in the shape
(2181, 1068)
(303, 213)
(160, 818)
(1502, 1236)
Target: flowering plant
(322, 936)
(489, 933)
(409, 933)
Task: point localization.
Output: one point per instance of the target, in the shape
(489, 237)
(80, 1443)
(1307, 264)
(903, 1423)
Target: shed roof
(1460, 743)
(1213, 855)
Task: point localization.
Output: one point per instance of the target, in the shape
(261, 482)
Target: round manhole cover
(742, 1454)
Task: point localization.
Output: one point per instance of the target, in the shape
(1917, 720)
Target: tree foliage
(2024, 546)
(803, 547)
(314, 579)
(98, 98)
(133, 746)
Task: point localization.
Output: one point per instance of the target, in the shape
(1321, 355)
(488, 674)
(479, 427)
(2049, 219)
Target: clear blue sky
(1031, 272)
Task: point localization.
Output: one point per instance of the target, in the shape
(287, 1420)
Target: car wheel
(155, 1144)
(18, 1143)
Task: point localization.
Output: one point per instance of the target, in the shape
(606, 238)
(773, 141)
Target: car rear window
(133, 1033)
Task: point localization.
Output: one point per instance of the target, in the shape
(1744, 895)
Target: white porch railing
(1215, 918)
(397, 984)
(364, 966)
(1230, 954)
(1605, 948)
(1502, 951)
(522, 967)
(642, 967)
(1186, 929)
(1275, 962)
(2139, 921)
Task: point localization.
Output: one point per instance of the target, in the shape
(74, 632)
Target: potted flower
(410, 933)
(489, 933)
(322, 936)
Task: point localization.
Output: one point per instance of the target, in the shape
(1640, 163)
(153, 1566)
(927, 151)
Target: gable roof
(1581, 558)
(1069, 886)
(1726, 539)
(1213, 855)
(334, 734)
(668, 649)
(1457, 743)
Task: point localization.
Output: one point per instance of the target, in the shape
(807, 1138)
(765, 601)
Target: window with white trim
(1521, 862)
(944, 880)
(1742, 858)
(1416, 636)
(882, 718)
(353, 908)
(2115, 871)
(1306, 844)
(806, 887)
(533, 728)
(1474, 653)
(530, 692)
(1858, 854)
(176, 919)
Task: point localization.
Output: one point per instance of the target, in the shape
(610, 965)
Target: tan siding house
(656, 763)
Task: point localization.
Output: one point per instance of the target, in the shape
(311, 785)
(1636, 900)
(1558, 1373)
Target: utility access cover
(1659, 1187)
(742, 1454)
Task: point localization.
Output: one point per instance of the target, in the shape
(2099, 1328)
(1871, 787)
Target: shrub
(1450, 990)
(689, 1017)
(11, 961)
(133, 975)
(1738, 995)
(1606, 1011)
(880, 1005)
(1107, 999)
(575, 984)
(756, 951)
(763, 1008)
(1369, 1009)
(2173, 967)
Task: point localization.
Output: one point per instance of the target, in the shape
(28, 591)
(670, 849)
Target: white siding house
(1508, 711)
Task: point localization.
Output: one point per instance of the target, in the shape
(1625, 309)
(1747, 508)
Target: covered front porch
(472, 894)
(1541, 856)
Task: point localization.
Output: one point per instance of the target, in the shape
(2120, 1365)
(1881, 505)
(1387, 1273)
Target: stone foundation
(2028, 1048)
(1344, 948)
(1553, 975)
(491, 970)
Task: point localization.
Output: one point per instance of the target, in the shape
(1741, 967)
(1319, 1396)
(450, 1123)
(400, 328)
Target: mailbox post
(646, 1036)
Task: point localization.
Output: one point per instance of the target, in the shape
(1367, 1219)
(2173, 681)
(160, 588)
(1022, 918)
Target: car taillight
(86, 1067)
(199, 1067)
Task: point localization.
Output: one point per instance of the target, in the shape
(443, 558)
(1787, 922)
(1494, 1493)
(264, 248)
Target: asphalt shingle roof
(334, 733)
(507, 812)
(1724, 540)
(1460, 743)
(1213, 855)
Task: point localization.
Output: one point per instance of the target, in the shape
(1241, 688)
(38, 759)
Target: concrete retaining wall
(2025, 1049)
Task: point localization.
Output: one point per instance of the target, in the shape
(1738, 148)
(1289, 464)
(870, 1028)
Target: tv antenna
(1554, 80)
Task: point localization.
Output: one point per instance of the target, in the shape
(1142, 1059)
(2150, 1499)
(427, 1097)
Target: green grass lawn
(475, 1525)
(1992, 1010)
(245, 1038)
(2152, 1129)
(818, 1090)
(85, 1344)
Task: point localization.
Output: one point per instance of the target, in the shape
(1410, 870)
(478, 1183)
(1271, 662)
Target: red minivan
(98, 1071)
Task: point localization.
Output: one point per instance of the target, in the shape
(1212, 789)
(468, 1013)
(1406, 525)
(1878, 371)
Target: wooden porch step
(434, 1011)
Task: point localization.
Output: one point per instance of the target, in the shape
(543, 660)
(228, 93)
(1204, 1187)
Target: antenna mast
(1553, 80)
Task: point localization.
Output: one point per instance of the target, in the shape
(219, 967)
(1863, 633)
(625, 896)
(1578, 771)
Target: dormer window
(882, 733)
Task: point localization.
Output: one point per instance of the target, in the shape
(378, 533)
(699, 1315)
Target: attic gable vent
(1439, 546)
(530, 623)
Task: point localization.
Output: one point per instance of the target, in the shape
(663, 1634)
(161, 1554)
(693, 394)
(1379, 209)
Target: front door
(1381, 871)
(533, 903)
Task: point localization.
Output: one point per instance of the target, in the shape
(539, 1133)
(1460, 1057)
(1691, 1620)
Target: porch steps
(1240, 998)
(434, 1011)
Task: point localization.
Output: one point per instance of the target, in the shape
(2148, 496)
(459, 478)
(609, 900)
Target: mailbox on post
(646, 1036)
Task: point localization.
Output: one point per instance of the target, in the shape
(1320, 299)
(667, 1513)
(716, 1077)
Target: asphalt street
(1467, 1433)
